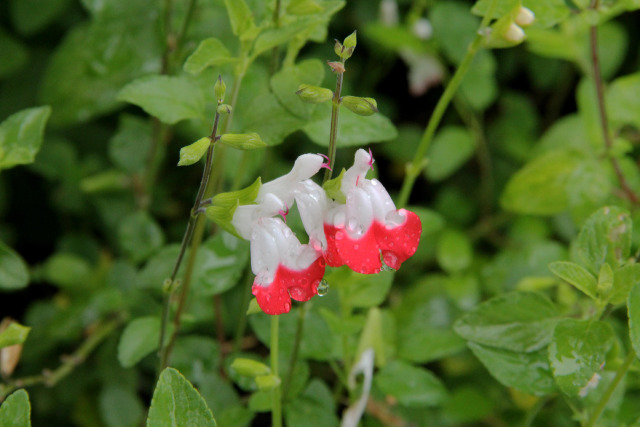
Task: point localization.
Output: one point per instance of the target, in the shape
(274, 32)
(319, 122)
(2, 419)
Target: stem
(276, 409)
(274, 51)
(242, 317)
(51, 378)
(333, 134)
(622, 371)
(604, 122)
(416, 166)
(296, 348)
(193, 236)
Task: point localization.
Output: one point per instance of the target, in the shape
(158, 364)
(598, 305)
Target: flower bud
(243, 141)
(336, 67)
(514, 33)
(314, 94)
(219, 89)
(360, 106)
(192, 153)
(224, 109)
(249, 367)
(525, 17)
(267, 382)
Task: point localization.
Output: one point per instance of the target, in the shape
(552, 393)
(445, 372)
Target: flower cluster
(357, 229)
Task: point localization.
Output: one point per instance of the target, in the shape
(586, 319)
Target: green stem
(276, 409)
(622, 371)
(242, 317)
(274, 51)
(296, 349)
(415, 167)
(333, 134)
(51, 378)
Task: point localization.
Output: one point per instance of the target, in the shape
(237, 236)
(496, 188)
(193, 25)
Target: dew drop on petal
(287, 307)
(323, 288)
(352, 224)
(339, 235)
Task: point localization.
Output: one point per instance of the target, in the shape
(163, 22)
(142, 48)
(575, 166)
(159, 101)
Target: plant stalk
(276, 409)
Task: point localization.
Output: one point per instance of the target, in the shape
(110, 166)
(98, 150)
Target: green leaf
(353, 130)
(273, 122)
(177, 403)
(605, 238)
(633, 308)
(220, 263)
(14, 273)
(547, 12)
(67, 270)
(276, 36)
(139, 338)
(209, 53)
(361, 290)
(27, 22)
(540, 188)
(21, 136)
(240, 16)
(129, 147)
(223, 205)
(410, 385)
(577, 276)
(14, 334)
(517, 321)
(624, 278)
(451, 148)
(170, 99)
(14, 54)
(527, 372)
(286, 82)
(140, 236)
(622, 100)
(454, 252)
(190, 154)
(120, 406)
(315, 406)
(249, 367)
(577, 352)
(16, 410)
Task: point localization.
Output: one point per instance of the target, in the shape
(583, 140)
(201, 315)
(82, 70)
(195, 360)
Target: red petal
(303, 285)
(331, 255)
(361, 255)
(400, 242)
(273, 299)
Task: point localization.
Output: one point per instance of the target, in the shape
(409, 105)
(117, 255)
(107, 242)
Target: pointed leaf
(14, 334)
(209, 53)
(224, 205)
(633, 307)
(139, 338)
(16, 410)
(21, 136)
(191, 153)
(177, 403)
(410, 385)
(605, 238)
(170, 99)
(577, 276)
(13, 270)
(240, 16)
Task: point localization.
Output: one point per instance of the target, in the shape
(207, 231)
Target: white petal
(304, 167)
(380, 200)
(357, 172)
(359, 213)
(312, 205)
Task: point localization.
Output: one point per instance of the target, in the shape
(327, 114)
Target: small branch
(602, 110)
(51, 378)
(276, 408)
(333, 135)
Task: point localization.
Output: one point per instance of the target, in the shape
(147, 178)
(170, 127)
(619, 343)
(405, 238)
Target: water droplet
(352, 224)
(323, 288)
(339, 235)
(287, 307)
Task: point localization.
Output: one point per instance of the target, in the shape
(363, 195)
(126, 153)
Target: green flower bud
(314, 94)
(267, 382)
(190, 154)
(243, 141)
(224, 109)
(360, 106)
(219, 89)
(524, 17)
(249, 367)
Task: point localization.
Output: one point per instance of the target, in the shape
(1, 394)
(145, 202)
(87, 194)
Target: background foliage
(522, 304)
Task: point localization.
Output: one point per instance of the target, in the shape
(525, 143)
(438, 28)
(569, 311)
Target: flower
(284, 267)
(368, 224)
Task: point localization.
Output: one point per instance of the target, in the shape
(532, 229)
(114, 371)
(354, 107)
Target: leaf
(605, 238)
(240, 16)
(14, 334)
(454, 251)
(190, 154)
(540, 188)
(633, 308)
(273, 122)
(410, 386)
(285, 83)
(140, 236)
(14, 54)
(21, 136)
(624, 278)
(527, 372)
(129, 147)
(547, 12)
(353, 130)
(209, 53)
(120, 406)
(170, 99)
(622, 100)
(516, 321)
(577, 352)
(577, 276)
(177, 403)
(13, 270)
(315, 406)
(66, 270)
(139, 338)
(223, 205)
(16, 410)
(450, 149)
(362, 290)
(276, 36)
(220, 263)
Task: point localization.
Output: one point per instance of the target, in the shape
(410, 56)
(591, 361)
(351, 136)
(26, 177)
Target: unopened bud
(314, 94)
(338, 48)
(224, 109)
(267, 382)
(250, 367)
(360, 106)
(525, 17)
(219, 89)
(348, 46)
(243, 141)
(514, 33)
(336, 67)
